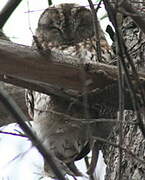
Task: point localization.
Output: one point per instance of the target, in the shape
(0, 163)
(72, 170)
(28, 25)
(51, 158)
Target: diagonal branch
(64, 72)
(22, 66)
(21, 120)
(96, 29)
(6, 12)
(60, 75)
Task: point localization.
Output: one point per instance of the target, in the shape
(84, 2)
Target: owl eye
(54, 30)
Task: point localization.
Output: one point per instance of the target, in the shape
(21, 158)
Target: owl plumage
(67, 29)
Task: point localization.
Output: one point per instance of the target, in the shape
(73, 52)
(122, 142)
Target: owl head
(65, 24)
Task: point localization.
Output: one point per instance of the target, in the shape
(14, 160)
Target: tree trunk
(131, 168)
(130, 163)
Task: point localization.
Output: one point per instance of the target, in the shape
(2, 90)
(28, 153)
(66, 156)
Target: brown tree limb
(24, 63)
(53, 74)
(22, 66)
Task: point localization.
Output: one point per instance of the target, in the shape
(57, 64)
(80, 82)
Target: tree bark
(131, 168)
(22, 66)
(51, 73)
(22, 62)
(121, 164)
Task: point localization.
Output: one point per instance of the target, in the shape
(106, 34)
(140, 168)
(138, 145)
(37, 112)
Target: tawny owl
(67, 29)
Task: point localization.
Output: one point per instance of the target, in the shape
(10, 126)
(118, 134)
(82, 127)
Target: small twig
(96, 29)
(14, 134)
(29, 19)
(6, 12)
(84, 120)
(91, 177)
(94, 158)
(18, 156)
(121, 110)
(41, 50)
(79, 120)
(32, 11)
(98, 6)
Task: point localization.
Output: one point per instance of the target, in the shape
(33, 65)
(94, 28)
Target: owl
(67, 29)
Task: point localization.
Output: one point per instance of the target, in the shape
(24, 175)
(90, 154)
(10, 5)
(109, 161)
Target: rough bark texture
(133, 140)
(66, 72)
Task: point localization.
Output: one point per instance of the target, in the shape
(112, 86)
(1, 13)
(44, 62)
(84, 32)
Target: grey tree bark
(130, 163)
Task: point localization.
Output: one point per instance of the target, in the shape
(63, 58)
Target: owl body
(67, 29)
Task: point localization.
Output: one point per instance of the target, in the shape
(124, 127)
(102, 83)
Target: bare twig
(121, 110)
(91, 177)
(98, 6)
(96, 29)
(21, 120)
(6, 12)
(14, 134)
(79, 120)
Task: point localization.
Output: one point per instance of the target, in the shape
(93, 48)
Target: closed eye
(53, 29)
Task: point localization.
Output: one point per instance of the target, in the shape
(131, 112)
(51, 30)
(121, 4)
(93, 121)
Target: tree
(128, 163)
(124, 149)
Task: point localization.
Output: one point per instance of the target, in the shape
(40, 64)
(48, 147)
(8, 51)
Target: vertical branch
(91, 177)
(6, 12)
(121, 104)
(121, 110)
(96, 29)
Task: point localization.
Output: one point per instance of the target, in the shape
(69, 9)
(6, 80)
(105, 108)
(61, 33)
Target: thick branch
(65, 72)
(22, 66)
(53, 74)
